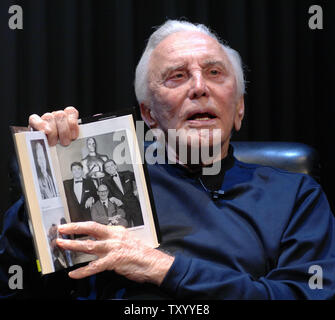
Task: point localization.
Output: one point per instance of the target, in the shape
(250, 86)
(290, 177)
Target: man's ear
(239, 114)
(148, 116)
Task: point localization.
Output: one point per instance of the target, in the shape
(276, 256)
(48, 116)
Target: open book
(100, 177)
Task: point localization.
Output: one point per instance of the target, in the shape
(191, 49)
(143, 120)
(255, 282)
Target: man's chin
(196, 146)
(203, 137)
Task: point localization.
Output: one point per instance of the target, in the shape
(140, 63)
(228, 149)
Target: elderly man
(259, 240)
(106, 212)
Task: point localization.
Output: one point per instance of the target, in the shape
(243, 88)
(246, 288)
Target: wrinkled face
(110, 168)
(77, 172)
(103, 192)
(41, 161)
(192, 86)
(91, 145)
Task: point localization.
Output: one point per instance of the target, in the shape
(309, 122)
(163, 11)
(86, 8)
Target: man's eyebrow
(168, 70)
(210, 62)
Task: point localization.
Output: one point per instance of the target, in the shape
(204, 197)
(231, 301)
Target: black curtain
(84, 52)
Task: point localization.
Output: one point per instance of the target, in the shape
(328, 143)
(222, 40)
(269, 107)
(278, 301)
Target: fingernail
(65, 141)
(73, 134)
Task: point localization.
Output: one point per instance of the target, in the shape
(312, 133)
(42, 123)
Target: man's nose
(199, 87)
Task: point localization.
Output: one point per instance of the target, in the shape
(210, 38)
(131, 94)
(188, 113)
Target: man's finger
(91, 228)
(64, 134)
(86, 246)
(92, 268)
(51, 123)
(37, 123)
(72, 118)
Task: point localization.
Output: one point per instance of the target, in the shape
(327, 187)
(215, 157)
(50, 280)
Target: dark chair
(290, 156)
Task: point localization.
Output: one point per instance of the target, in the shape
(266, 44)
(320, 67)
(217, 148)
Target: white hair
(168, 28)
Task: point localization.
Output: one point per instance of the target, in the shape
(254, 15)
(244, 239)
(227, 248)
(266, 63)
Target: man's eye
(177, 76)
(176, 79)
(214, 72)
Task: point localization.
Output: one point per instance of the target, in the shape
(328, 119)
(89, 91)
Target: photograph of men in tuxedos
(106, 212)
(122, 185)
(80, 194)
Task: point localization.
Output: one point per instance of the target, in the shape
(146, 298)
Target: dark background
(83, 53)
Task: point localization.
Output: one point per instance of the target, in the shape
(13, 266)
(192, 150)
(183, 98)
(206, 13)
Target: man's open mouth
(202, 116)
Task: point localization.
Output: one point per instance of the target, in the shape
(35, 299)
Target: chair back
(290, 156)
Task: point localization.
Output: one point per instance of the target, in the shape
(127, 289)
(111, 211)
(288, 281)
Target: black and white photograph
(99, 181)
(51, 219)
(48, 188)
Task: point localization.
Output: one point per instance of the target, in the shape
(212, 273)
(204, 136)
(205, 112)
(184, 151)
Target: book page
(43, 200)
(100, 146)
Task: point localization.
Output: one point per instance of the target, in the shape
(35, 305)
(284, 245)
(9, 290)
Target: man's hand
(59, 125)
(116, 201)
(89, 202)
(115, 220)
(117, 249)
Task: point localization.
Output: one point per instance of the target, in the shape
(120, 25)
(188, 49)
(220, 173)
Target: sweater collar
(212, 182)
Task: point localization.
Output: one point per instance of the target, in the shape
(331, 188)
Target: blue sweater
(257, 241)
